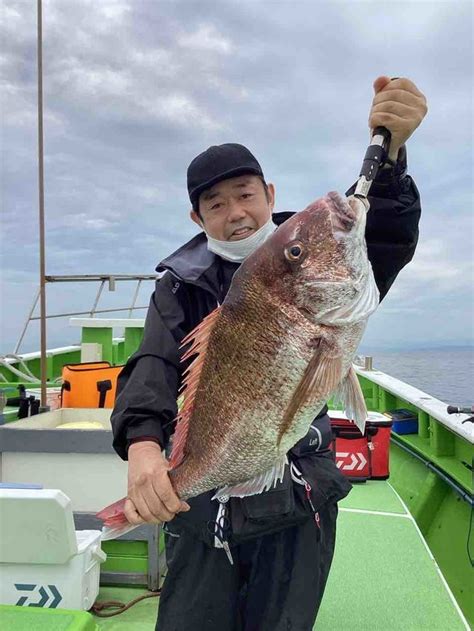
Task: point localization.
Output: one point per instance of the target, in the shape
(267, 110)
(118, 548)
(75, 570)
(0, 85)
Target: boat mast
(43, 367)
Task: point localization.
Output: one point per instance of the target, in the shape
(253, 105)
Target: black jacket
(196, 280)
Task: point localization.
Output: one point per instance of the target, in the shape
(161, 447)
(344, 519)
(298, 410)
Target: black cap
(218, 163)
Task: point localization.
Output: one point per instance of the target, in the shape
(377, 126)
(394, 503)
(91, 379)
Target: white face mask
(237, 251)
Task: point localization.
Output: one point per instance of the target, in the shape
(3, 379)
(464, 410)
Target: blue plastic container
(403, 421)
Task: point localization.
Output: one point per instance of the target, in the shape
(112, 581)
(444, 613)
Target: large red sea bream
(275, 351)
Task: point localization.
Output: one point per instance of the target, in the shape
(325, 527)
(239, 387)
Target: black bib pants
(276, 583)
(277, 580)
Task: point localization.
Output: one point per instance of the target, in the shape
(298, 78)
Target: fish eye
(294, 252)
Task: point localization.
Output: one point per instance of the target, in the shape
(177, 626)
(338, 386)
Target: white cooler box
(44, 561)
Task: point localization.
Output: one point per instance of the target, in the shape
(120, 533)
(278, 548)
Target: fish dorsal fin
(354, 403)
(199, 340)
(320, 379)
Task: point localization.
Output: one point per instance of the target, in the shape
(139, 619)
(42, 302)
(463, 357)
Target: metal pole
(134, 299)
(88, 313)
(97, 298)
(18, 344)
(43, 367)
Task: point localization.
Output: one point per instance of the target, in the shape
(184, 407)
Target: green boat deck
(383, 577)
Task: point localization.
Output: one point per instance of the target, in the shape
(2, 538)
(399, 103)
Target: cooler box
(403, 421)
(361, 457)
(89, 385)
(44, 561)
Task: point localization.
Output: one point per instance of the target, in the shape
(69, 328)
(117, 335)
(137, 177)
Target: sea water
(444, 373)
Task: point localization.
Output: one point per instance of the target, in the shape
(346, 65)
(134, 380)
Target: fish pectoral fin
(351, 395)
(321, 377)
(260, 483)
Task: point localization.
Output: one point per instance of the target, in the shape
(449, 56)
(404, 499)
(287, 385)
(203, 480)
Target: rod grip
(383, 131)
(374, 158)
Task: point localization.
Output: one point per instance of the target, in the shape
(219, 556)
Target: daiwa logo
(42, 592)
(357, 461)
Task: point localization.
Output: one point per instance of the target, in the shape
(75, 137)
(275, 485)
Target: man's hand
(151, 497)
(399, 106)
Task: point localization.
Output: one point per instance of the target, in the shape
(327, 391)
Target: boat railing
(394, 391)
(102, 279)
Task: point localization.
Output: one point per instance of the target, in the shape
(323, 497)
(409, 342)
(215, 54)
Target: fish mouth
(346, 212)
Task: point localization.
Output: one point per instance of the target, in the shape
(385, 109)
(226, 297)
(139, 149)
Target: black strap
(353, 432)
(34, 406)
(16, 401)
(23, 408)
(103, 387)
(347, 433)
(66, 385)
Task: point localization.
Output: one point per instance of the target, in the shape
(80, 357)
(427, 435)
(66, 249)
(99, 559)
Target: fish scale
(269, 358)
(261, 366)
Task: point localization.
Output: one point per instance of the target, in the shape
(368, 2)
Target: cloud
(206, 38)
(84, 222)
(134, 90)
(433, 264)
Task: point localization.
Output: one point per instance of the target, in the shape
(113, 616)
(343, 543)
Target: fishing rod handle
(374, 158)
(454, 409)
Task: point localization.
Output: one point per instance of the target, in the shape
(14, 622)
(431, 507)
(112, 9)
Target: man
(278, 575)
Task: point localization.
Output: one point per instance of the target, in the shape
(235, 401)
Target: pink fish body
(274, 352)
(267, 360)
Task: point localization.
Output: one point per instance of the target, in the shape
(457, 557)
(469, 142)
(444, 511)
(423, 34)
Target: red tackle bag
(361, 457)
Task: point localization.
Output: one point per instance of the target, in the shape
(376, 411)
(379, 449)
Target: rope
(98, 607)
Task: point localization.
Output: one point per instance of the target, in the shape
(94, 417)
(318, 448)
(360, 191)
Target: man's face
(235, 208)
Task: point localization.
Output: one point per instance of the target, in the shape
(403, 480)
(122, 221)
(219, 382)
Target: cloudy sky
(134, 90)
